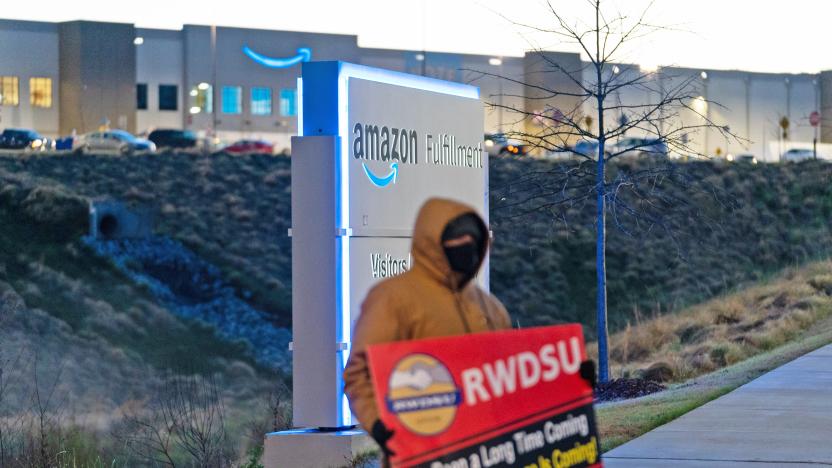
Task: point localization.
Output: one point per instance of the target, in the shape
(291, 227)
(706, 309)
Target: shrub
(822, 283)
(658, 372)
(56, 210)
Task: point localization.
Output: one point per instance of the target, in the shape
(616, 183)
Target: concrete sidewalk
(783, 418)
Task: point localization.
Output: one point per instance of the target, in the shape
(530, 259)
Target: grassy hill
(74, 327)
(75, 319)
(727, 329)
(712, 348)
(723, 225)
(235, 212)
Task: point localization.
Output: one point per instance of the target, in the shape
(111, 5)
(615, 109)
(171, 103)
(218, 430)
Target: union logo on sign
(423, 395)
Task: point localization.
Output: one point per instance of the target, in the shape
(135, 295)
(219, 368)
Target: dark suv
(18, 138)
(176, 139)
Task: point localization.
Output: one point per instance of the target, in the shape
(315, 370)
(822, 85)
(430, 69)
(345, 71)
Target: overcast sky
(758, 35)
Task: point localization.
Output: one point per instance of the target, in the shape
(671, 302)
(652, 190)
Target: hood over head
(428, 252)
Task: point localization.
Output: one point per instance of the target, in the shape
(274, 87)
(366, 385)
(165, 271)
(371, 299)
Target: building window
(40, 92)
(202, 99)
(232, 100)
(8, 91)
(168, 97)
(261, 101)
(141, 96)
(288, 102)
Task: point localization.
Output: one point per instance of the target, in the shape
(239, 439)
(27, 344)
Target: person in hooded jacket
(437, 297)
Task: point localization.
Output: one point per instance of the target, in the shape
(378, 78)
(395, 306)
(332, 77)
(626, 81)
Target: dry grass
(108, 339)
(619, 422)
(725, 330)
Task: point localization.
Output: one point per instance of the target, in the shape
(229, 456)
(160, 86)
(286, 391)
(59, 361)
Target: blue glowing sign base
(314, 448)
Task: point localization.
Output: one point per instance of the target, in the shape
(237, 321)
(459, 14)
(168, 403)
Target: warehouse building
(79, 76)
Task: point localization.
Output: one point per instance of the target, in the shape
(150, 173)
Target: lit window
(202, 99)
(168, 97)
(141, 96)
(40, 92)
(8, 91)
(232, 100)
(261, 101)
(288, 102)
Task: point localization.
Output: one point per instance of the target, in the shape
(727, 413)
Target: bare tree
(11, 430)
(194, 407)
(11, 419)
(47, 404)
(277, 404)
(145, 434)
(31, 434)
(593, 123)
(278, 417)
(186, 419)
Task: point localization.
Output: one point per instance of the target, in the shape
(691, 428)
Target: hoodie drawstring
(485, 310)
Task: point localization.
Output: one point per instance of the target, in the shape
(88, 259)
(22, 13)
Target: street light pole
(500, 84)
(214, 100)
(704, 76)
(424, 36)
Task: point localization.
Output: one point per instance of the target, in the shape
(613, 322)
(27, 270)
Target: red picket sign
(508, 398)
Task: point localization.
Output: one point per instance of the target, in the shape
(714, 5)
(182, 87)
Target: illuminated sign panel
(424, 139)
(395, 140)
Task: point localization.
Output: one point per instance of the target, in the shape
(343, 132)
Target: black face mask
(464, 259)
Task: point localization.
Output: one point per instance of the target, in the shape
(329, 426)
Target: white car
(639, 147)
(112, 141)
(494, 143)
(798, 154)
(745, 158)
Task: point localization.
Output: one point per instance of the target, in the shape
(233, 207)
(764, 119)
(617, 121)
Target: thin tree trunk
(601, 270)
(601, 211)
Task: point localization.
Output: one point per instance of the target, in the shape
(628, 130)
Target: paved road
(783, 419)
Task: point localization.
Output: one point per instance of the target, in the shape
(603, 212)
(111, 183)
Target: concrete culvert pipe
(111, 219)
(108, 226)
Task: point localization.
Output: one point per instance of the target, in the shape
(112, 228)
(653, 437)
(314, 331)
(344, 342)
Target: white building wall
(630, 103)
(502, 97)
(767, 106)
(499, 96)
(30, 49)
(388, 59)
(803, 100)
(159, 61)
(750, 104)
(725, 92)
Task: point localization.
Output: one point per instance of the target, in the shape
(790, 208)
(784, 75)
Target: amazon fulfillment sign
(374, 146)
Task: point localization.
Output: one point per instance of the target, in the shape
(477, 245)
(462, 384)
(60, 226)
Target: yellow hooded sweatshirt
(421, 303)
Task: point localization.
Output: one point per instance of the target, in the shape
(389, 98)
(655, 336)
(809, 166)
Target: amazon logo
(380, 143)
(304, 55)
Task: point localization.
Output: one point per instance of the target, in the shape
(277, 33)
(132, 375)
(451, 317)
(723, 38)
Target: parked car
(249, 147)
(798, 154)
(745, 158)
(589, 149)
(516, 148)
(25, 139)
(174, 139)
(639, 147)
(494, 143)
(112, 141)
